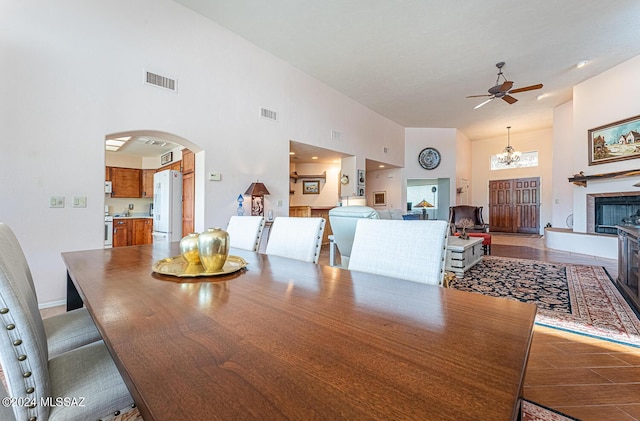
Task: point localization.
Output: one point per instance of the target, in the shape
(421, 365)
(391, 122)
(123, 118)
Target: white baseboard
(52, 304)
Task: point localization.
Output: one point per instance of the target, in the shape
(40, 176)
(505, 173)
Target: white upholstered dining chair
(411, 250)
(64, 331)
(296, 238)
(245, 232)
(87, 373)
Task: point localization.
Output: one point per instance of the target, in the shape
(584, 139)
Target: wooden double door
(514, 205)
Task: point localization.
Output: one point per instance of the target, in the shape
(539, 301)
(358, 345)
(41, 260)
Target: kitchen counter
(132, 217)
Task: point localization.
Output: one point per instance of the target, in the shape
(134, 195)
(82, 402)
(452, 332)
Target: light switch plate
(79, 201)
(215, 176)
(56, 202)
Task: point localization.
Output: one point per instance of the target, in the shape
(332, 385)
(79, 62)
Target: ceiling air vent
(268, 114)
(160, 81)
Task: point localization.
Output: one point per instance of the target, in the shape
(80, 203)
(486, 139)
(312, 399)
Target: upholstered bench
(486, 240)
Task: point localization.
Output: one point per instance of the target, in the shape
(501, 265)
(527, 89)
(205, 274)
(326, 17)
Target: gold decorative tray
(177, 266)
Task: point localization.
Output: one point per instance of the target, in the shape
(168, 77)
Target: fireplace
(606, 210)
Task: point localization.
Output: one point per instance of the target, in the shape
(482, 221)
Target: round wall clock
(429, 158)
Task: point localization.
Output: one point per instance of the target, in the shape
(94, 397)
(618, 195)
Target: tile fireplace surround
(591, 207)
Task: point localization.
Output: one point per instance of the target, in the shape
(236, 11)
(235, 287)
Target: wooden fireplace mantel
(581, 180)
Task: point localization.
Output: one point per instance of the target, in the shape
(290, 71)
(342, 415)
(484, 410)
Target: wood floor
(583, 377)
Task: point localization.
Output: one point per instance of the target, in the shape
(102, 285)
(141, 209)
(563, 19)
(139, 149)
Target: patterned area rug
(531, 411)
(577, 298)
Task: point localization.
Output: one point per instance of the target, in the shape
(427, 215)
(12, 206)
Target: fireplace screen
(616, 210)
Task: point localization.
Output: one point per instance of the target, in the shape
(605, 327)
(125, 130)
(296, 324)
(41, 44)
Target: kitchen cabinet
(142, 231)
(132, 231)
(300, 211)
(147, 183)
(188, 202)
(176, 166)
(126, 182)
(122, 232)
(188, 161)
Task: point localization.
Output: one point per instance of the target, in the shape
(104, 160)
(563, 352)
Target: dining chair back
(32, 377)
(343, 221)
(245, 232)
(411, 250)
(298, 238)
(64, 331)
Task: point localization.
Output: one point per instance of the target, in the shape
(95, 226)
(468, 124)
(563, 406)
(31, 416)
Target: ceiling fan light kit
(503, 90)
(509, 155)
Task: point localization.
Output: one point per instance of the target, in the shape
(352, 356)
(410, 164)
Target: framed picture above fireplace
(615, 141)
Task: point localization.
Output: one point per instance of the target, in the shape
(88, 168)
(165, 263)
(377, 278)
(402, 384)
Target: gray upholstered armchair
(343, 221)
(474, 213)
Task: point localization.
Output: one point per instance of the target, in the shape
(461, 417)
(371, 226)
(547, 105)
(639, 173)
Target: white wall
(328, 195)
(463, 171)
(611, 96)
(562, 206)
(76, 71)
(391, 182)
(537, 140)
(444, 140)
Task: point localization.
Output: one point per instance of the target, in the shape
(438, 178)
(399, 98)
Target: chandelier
(509, 155)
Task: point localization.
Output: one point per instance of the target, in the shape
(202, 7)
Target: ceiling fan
(503, 90)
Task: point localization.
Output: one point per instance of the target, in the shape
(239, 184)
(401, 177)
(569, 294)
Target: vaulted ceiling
(416, 61)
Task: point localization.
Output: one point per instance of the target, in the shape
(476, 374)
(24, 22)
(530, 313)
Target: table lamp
(424, 205)
(257, 191)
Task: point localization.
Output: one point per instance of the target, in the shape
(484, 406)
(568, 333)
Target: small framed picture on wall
(166, 158)
(311, 187)
(379, 198)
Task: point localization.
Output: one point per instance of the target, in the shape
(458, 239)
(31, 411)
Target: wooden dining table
(285, 339)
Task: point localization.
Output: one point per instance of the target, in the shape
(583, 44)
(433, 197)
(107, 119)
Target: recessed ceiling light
(380, 166)
(314, 157)
(115, 143)
(292, 153)
(581, 64)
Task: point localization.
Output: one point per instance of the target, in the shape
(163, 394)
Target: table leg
(73, 298)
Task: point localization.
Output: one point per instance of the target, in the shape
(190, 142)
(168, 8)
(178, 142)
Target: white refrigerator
(167, 206)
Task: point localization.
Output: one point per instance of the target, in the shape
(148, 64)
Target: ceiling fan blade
(506, 86)
(482, 103)
(477, 96)
(526, 88)
(509, 99)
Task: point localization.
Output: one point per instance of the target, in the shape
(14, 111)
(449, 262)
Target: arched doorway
(131, 160)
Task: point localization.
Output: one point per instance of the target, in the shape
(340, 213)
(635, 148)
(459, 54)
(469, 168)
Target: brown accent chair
(457, 213)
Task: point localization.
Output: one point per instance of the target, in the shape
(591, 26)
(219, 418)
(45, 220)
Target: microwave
(107, 187)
